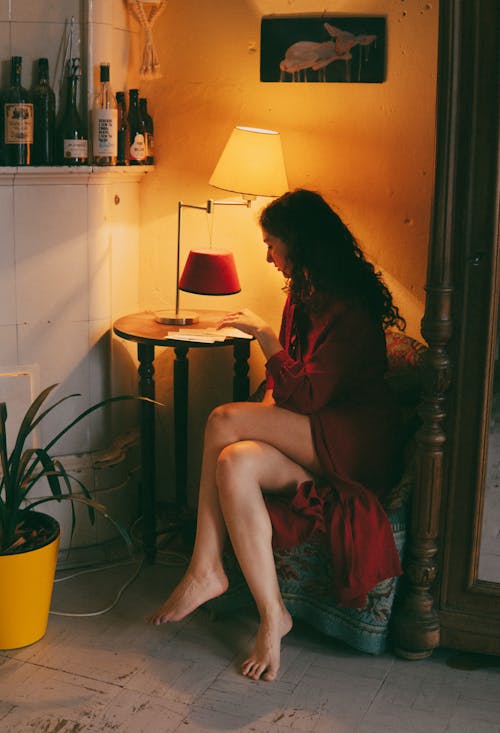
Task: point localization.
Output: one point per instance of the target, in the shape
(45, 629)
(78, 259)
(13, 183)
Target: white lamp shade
(252, 163)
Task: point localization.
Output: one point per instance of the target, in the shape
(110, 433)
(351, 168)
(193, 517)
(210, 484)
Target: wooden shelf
(64, 175)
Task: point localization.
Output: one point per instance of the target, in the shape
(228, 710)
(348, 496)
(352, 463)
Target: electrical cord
(172, 559)
(102, 611)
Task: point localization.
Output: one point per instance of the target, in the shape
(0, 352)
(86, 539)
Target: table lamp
(251, 164)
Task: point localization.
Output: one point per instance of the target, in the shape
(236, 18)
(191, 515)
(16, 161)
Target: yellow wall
(369, 148)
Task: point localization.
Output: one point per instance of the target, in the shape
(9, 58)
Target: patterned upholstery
(305, 572)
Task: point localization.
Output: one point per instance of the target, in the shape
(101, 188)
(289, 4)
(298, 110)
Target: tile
(51, 254)
(86, 656)
(50, 10)
(16, 392)
(4, 10)
(99, 254)
(8, 313)
(472, 710)
(60, 697)
(115, 672)
(5, 45)
(143, 712)
(99, 365)
(66, 366)
(102, 47)
(121, 47)
(8, 346)
(121, 14)
(104, 10)
(34, 40)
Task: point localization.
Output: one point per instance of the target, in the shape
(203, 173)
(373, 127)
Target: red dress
(332, 368)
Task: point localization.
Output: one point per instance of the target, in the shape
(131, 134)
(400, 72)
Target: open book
(208, 335)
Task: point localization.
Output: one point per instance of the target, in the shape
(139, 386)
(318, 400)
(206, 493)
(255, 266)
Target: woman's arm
(251, 323)
(268, 398)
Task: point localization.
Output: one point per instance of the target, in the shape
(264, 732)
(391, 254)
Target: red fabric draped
(334, 372)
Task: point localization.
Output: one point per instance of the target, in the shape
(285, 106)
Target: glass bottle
(149, 128)
(18, 118)
(72, 141)
(121, 158)
(44, 111)
(104, 122)
(137, 138)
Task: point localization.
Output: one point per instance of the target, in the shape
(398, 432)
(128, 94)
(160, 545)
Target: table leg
(145, 353)
(181, 381)
(241, 383)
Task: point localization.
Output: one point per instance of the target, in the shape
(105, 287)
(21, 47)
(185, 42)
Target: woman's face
(277, 253)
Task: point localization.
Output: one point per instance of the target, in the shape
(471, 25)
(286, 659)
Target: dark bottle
(44, 111)
(137, 131)
(17, 116)
(121, 158)
(149, 128)
(72, 141)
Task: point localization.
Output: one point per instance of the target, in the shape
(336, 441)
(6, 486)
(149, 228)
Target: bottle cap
(104, 72)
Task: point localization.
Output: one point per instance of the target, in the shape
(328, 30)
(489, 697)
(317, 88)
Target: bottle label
(105, 127)
(138, 147)
(75, 149)
(18, 123)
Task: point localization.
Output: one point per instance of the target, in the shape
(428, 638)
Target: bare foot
(188, 595)
(264, 660)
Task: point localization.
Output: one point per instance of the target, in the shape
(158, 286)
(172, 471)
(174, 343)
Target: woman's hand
(245, 320)
(249, 322)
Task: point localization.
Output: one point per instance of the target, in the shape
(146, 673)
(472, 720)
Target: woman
(327, 420)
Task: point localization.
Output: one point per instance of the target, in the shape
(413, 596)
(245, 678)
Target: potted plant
(29, 539)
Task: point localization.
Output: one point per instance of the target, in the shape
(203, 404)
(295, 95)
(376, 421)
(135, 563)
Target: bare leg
(243, 469)
(205, 577)
(290, 434)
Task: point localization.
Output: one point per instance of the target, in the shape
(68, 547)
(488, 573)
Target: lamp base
(181, 318)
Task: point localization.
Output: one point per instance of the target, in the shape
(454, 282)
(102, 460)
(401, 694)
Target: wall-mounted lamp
(252, 165)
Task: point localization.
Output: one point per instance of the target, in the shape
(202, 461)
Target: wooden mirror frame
(463, 237)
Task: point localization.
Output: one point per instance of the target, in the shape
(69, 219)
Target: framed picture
(323, 49)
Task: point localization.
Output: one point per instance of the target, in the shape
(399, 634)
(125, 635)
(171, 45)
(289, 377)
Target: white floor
(113, 672)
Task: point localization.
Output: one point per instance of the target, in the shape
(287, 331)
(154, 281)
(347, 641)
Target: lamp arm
(180, 206)
(247, 201)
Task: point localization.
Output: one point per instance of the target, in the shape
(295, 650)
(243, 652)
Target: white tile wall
(69, 254)
(8, 345)
(18, 386)
(69, 259)
(54, 11)
(51, 253)
(100, 234)
(7, 261)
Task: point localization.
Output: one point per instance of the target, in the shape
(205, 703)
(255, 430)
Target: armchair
(305, 571)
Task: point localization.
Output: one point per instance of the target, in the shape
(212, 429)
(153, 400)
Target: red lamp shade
(210, 272)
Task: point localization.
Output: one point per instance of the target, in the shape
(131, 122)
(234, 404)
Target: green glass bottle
(72, 140)
(44, 110)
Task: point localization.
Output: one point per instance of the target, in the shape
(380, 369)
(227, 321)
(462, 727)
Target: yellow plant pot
(27, 580)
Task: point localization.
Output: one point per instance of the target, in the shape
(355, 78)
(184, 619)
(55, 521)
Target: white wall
(69, 263)
(70, 237)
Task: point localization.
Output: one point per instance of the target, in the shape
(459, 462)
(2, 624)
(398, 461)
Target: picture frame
(319, 48)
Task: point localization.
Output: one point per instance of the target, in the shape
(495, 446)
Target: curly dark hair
(324, 256)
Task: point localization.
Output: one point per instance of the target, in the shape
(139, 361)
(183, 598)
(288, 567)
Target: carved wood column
(416, 629)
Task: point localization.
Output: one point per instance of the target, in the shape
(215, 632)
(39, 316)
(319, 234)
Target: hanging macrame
(147, 14)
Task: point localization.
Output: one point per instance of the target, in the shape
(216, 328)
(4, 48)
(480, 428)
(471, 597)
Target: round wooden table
(143, 329)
